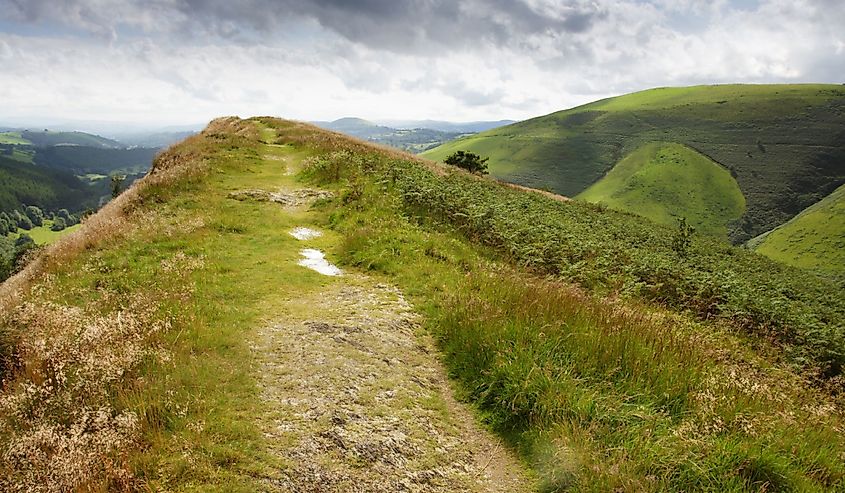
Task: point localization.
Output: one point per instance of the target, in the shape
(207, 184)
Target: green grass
(41, 138)
(596, 394)
(781, 142)
(43, 235)
(199, 407)
(814, 239)
(50, 189)
(690, 376)
(13, 138)
(665, 182)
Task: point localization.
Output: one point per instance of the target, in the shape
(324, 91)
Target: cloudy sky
(183, 61)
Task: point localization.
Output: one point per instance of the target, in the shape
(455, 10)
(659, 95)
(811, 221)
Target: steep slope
(785, 144)
(666, 182)
(814, 239)
(23, 184)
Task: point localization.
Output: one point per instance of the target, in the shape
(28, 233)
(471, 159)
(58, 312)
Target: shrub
(58, 224)
(469, 161)
(35, 215)
(23, 221)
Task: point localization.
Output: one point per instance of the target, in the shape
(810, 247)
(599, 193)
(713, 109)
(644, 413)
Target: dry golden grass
(59, 429)
(113, 219)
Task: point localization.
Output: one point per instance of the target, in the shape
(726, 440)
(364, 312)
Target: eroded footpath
(356, 399)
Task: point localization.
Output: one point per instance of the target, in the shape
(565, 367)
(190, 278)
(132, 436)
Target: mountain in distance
(784, 145)
(444, 126)
(48, 138)
(409, 135)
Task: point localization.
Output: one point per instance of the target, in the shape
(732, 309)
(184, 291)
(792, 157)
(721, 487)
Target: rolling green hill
(813, 239)
(45, 138)
(23, 184)
(665, 182)
(783, 143)
(85, 159)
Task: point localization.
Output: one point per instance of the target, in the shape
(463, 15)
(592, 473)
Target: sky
(172, 62)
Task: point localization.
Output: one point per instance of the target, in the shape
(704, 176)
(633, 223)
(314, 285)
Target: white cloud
(170, 61)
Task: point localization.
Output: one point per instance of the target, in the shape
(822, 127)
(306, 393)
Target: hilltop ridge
(182, 333)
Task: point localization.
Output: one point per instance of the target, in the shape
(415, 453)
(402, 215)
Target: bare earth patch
(358, 401)
(292, 198)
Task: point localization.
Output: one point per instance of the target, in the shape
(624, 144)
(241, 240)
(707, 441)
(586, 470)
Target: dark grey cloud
(405, 26)
(320, 59)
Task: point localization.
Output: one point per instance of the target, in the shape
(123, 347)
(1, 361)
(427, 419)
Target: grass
(665, 182)
(781, 142)
(13, 138)
(50, 189)
(43, 235)
(604, 358)
(814, 239)
(206, 269)
(597, 394)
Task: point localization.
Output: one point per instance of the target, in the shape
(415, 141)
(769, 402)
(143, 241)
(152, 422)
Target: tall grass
(607, 251)
(74, 347)
(627, 399)
(598, 386)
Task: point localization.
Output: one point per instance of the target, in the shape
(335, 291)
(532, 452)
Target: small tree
(117, 184)
(23, 221)
(35, 215)
(469, 161)
(683, 237)
(58, 224)
(23, 246)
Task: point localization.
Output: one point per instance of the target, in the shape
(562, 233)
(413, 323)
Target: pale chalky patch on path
(304, 234)
(358, 402)
(316, 261)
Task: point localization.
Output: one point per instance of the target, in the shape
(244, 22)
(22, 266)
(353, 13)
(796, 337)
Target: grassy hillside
(783, 143)
(13, 138)
(814, 239)
(46, 138)
(608, 357)
(666, 182)
(23, 184)
(84, 160)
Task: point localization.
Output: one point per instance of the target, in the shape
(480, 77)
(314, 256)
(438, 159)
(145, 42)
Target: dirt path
(357, 400)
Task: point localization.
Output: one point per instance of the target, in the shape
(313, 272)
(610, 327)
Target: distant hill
(454, 127)
(45, 138)
(154, 139)
(813, 239)
(51, 189)
(84, 160)
(783, 144)
(412, 140)
(64, 170)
